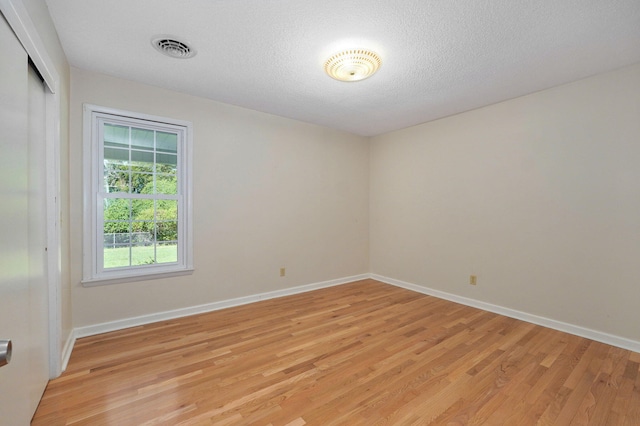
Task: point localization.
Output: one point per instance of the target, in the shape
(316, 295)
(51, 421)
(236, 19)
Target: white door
(37, 230)
(23, 287)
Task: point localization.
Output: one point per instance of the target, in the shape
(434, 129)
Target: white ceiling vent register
(171, 46)
(352, 65)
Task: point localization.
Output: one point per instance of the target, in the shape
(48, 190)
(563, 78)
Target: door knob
(5, 352)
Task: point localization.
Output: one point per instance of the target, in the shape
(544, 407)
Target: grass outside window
(142, 255)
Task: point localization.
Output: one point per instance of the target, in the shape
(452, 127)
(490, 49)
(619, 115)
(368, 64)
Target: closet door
(23, 288)
(37, 241)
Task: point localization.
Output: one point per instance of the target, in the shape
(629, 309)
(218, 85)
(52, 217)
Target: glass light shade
(352, 65)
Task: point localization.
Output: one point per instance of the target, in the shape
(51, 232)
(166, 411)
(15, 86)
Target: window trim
(92, 273)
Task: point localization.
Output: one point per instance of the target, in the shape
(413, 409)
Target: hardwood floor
(364, 353)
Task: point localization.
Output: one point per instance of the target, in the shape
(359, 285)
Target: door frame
(20, 22)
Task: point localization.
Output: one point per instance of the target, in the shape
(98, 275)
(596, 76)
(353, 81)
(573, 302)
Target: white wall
(269, 192)
(538, 196)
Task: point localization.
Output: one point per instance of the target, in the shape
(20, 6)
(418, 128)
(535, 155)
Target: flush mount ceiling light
(352, 65)
(173, 47)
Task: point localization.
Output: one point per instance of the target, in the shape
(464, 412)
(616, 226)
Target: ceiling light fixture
(172, 47)
(352, 65)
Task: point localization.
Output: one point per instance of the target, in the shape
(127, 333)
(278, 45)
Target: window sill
(119, 279)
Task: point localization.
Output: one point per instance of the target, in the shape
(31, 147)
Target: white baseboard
(68, 348)
(91, 330)
(208, 307)
(588, 333)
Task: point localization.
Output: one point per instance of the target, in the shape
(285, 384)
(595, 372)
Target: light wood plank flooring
(364, 353)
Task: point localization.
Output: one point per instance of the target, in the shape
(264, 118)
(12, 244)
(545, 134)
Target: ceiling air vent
(171, 47)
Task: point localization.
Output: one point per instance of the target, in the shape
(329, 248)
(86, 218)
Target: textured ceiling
(440, 57)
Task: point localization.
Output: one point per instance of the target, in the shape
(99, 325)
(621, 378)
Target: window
(137, 222)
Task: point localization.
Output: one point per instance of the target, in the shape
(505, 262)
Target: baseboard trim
(91, 330)
(588, 333)
(68, 348)
(105, 327)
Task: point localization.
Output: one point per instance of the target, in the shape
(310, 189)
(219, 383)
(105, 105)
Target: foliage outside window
(139, 185)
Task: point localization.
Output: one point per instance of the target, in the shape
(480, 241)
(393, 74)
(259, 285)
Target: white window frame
(93, 272)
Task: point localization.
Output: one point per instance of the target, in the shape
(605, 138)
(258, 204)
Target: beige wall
(39, 14)
(539, 196)
(269, 192)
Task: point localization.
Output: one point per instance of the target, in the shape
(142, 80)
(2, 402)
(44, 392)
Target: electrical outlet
(473, 279)
(282, 272)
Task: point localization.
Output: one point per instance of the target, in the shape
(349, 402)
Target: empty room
(320, 213)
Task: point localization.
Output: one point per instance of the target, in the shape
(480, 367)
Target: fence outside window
(114, 240)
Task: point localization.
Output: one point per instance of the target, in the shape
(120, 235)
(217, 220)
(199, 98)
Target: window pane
(116, 170)
(116, 233)
(116, 256)
(117, 155)
(141, 139)
(166, 163)
(117, 209)
(142, 254)
(166, 184)
(142, 237)
(167, 142)
(142, 210)
(116, 181)
(116, 136)
(113, 240)
(115, 165)
(142, 161)
(167, 252)
(142, 232)
(141, 183)
(167, 231)
(166, 210)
